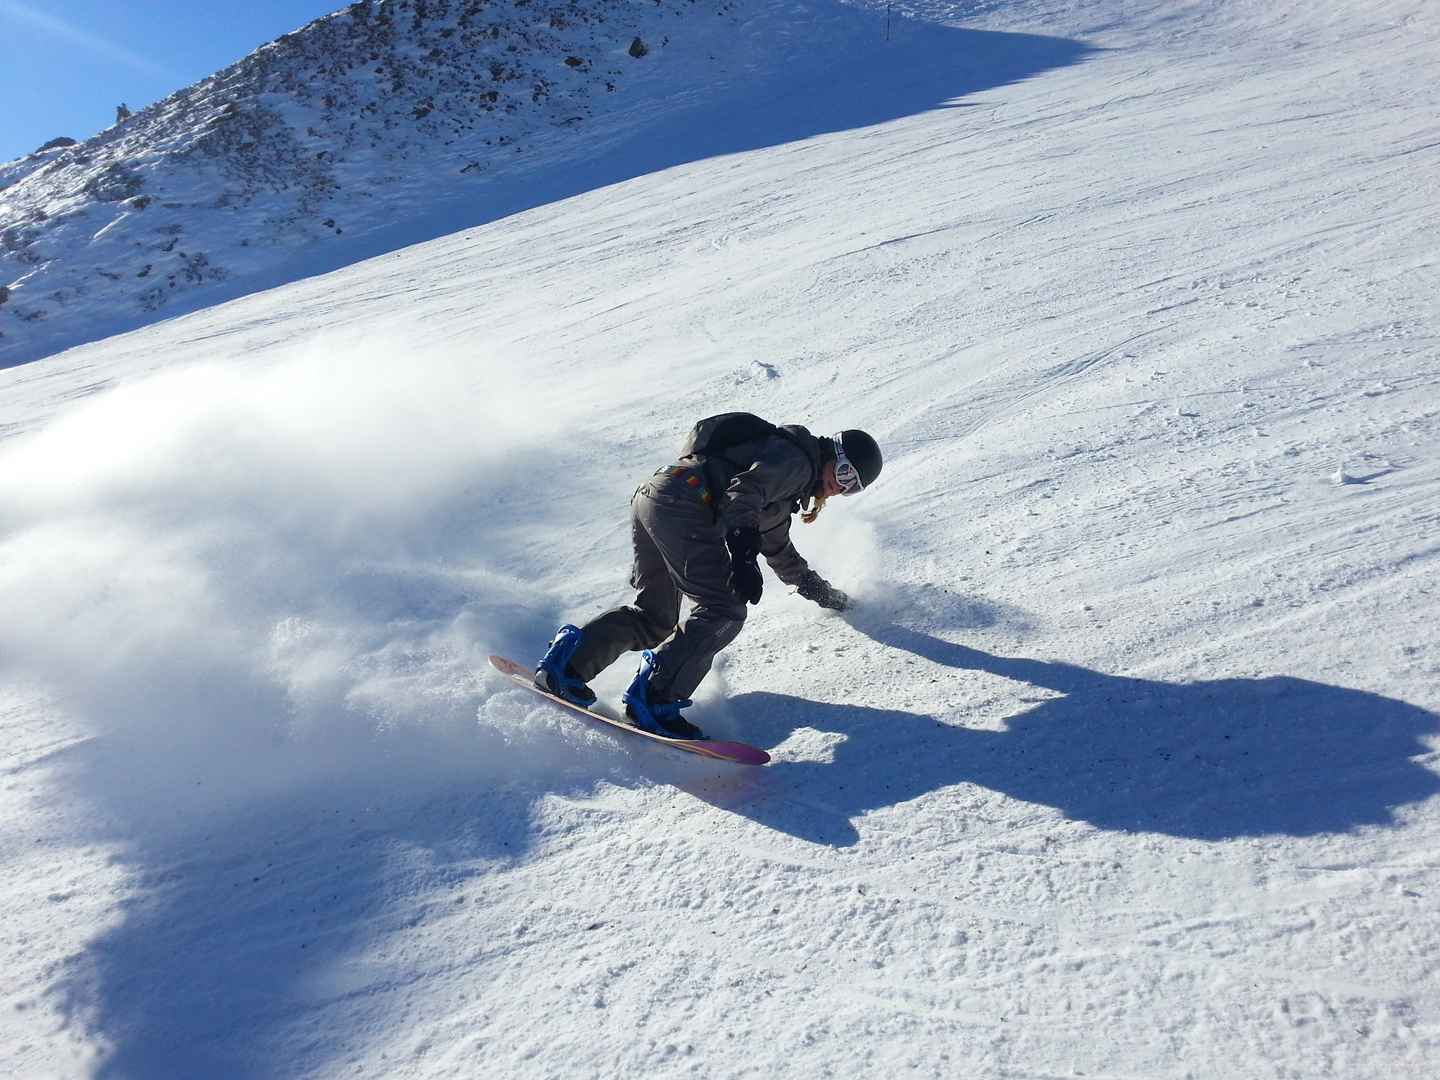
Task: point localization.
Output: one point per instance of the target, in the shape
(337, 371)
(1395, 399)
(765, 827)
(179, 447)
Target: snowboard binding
(554, 674)
(657, 717)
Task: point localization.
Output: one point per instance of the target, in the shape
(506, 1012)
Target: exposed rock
(115, 182)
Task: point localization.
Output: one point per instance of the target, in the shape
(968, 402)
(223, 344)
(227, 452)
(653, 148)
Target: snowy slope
(388, 122)
(354, 121)
(1126, 764)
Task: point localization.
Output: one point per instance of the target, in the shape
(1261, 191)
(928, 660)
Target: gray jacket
(762, 484)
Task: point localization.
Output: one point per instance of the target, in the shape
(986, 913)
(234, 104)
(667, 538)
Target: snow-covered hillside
(389, 122)
(1127, 762)
(354, 121)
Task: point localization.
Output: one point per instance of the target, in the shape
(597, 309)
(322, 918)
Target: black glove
(745, 581)
(814, 587)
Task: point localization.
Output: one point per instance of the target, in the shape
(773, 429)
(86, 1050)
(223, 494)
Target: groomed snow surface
(1126, 763)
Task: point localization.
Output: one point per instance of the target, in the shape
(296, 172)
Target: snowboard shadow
(1213, 760)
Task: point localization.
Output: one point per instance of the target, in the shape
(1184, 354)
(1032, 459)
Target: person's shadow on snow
(1207, 760)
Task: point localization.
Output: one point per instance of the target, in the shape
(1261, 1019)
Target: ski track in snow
(1125, 765)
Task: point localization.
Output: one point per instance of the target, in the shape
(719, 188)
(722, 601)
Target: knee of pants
(730, 616)
(656, 627)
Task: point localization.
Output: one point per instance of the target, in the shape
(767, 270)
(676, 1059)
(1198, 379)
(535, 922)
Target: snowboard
(740, 753)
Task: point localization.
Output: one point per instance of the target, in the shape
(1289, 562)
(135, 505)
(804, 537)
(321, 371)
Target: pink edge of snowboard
(740, 753)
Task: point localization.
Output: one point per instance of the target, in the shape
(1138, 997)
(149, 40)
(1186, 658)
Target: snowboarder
(698, 527)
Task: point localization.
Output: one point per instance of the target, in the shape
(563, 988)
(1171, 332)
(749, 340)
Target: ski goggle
(846, 475)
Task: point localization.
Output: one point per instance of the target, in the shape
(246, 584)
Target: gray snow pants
(679, 551)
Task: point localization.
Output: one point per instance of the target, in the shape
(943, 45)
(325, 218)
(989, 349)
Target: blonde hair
(818, 497)
(817, 504)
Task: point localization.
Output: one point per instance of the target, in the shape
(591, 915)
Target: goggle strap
(843, 464)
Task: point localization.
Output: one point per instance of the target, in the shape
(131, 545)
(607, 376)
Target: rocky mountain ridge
(335, 129)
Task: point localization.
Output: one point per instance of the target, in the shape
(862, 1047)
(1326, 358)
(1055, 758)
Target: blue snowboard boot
(656, 717)
(554, 674)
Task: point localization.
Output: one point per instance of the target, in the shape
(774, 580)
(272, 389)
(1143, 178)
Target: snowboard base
(740, 753)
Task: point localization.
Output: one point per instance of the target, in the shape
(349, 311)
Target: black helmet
(862, 452)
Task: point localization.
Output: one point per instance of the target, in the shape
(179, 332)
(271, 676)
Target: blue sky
(66, 64)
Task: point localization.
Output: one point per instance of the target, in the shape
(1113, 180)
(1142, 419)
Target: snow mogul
(698, 527)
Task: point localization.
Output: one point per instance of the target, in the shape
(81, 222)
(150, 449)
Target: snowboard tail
(720, 750)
